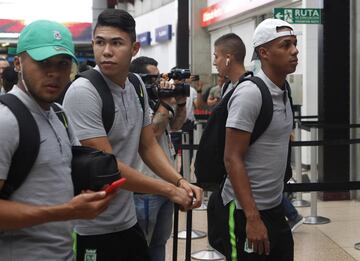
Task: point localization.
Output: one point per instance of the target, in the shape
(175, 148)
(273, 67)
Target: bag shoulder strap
(288, 89)
(266, 111)
(62, 117)
(108, 108)
(224, 88)
(138, 88)
(28, 148)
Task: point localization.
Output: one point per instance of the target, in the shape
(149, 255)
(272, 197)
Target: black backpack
(209, 163)
(29, 138)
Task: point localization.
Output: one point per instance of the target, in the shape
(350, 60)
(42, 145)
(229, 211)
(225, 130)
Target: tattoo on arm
(160, 121)
(180, 116)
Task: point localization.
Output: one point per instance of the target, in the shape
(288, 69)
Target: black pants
(281, 240)
(125, 245)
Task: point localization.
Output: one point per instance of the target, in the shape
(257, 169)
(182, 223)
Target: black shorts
(125, 245)
(280, 236)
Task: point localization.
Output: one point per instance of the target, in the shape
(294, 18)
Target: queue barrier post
(298, 202)
(197, 136)
(208, 254)
(314, 219)
(195, 234)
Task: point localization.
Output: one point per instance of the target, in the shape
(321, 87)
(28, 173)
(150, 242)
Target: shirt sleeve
(9, 139)
(83, 106)
(244, 107)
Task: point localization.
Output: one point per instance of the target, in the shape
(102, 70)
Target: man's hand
(193, 191)
(181, 196)
(257, 236)
(88, 205)
(170, 86)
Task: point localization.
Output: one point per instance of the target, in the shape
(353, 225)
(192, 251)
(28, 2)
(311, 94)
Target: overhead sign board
(228, 8)
(163, 33)
(81, 32)
(299, 15)
(144, 38)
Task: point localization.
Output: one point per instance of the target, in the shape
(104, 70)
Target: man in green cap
(35, 220)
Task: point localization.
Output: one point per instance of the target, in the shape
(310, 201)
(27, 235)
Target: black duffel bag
(92, 169)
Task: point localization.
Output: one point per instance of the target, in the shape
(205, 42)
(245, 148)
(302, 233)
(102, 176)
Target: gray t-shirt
(48, 183)
(83, 105)
(265, 160)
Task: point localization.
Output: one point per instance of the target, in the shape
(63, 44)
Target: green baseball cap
(43, 39)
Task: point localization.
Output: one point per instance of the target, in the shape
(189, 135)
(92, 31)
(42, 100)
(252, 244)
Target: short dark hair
(117, 18)
(139, 64)
(9, 77)
(231, 43)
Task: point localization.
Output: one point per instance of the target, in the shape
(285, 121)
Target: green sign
(299, 15)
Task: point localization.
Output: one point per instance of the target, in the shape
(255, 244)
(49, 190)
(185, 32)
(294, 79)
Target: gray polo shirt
(83, 105)
(265, 160)
(48, 183)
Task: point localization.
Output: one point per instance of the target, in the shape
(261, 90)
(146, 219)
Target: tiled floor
(329, 242)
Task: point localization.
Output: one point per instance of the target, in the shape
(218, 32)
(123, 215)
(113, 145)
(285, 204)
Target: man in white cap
(253, 190)
(35, 219)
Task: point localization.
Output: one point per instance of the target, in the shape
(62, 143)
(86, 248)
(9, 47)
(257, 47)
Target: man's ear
(135, 48)
(262, 52)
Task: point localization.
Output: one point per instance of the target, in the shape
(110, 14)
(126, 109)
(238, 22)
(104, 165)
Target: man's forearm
(179, 119)
(160, 121)
(138, 182)
(156, 159)
(15, 215)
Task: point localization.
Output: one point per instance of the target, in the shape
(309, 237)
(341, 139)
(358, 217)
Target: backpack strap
(138, 88)
(108, 108)
(266, 111)
(28, 148)
(62, 117)
(288, 89)
(241, 79)
(224, 88)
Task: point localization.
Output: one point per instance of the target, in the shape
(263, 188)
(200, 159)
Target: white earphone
(227, 61)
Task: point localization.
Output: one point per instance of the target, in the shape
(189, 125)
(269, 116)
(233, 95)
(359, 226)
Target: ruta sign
(299, 15)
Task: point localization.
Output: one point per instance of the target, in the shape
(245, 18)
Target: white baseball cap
(267, 31)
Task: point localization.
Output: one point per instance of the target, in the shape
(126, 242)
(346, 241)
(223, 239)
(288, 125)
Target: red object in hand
(116, 184)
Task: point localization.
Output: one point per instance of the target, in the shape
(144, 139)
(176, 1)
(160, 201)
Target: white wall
(245, 30)
(164, 53)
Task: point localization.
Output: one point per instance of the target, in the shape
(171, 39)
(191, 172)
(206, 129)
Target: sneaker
(294, 224)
